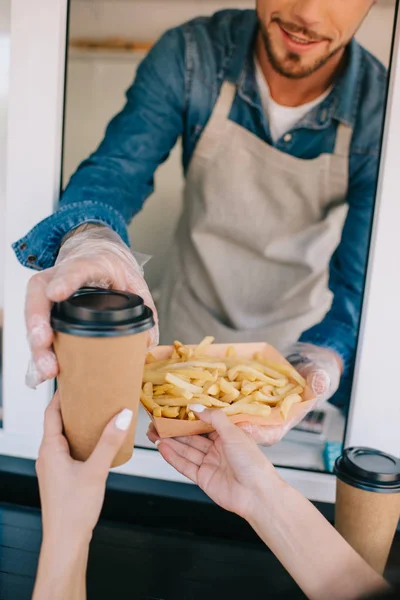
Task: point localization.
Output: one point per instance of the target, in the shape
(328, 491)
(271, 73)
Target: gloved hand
(95, 256)
(322, 369)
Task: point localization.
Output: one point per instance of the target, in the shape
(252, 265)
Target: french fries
(234, 384)
(287, 404)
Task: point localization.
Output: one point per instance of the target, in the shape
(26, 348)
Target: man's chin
(294, 71)
(295, 66)
(292, 67)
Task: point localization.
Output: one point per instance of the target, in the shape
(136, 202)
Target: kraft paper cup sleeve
(367, 520)
(98, 378)
(167, 428)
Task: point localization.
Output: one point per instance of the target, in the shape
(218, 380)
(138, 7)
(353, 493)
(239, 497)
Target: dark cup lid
(100, 312)
(369, 469)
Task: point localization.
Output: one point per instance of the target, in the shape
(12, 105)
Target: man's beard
(289, 70)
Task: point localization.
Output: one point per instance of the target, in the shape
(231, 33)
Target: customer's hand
(96, 256)
(228, 467)
(321, 368)
(72, 492)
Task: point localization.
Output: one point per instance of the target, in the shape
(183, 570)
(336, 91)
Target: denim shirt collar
(342, 102)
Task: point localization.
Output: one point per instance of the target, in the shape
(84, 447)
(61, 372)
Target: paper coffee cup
(368, 502)
(101, 339)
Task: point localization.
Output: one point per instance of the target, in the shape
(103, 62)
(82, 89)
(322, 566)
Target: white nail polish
(124, 419)
(157, 442)
(199, 408)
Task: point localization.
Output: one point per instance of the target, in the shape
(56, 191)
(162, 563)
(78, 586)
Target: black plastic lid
(369, 469)
(96, 312)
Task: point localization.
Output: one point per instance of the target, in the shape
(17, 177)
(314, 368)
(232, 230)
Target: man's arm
(112, 184)
(338, 330)
(101, 197)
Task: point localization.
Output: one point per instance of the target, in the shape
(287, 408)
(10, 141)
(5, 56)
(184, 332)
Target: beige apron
(250, 259)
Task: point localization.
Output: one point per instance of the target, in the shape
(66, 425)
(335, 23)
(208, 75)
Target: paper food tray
(174, 427)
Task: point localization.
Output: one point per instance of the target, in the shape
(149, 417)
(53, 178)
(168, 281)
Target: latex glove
(95, 256)
(72, 492)
(322, 369)
(228, 467)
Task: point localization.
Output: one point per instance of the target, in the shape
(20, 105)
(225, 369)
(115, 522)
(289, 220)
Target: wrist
(60, 557)
(80, 229)
(63, 541)
(266, 497)
(62, 568)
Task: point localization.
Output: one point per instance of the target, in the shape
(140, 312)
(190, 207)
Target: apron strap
(344, 134)
(224, 102)
(215, 128)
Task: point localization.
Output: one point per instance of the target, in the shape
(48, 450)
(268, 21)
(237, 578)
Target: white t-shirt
(282, 118)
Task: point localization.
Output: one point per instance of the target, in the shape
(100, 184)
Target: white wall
(4, 77)
(97, 81)
(146, 19)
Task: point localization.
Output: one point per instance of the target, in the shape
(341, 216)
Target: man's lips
(298, 43)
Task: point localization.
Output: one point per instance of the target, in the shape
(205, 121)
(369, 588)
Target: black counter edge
(141, 501)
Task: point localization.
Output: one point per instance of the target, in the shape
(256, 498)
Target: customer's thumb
(110, 442)
(217, 419)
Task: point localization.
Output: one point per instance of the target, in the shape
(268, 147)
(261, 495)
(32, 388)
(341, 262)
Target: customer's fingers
(196, 441)
(180, 464)
(184, 451)
(52, 418)
(110, 443)
(152, 434)
(226, 430)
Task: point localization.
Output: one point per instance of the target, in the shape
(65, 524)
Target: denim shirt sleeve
(111, 185)
(339, 329)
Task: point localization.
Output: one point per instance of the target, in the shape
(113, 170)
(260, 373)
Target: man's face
(302, 35)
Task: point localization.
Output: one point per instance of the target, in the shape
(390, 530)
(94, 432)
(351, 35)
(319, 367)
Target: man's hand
(322, 369)
(72, 492)
(228, 466)
(95, 256)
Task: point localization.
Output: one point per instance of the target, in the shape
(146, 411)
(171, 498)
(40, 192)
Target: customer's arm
(232, 470)
(310, 549)
(72, 495)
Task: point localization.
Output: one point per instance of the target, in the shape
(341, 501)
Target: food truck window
(107, 43)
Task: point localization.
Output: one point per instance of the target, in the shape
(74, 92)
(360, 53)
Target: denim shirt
(173, 96)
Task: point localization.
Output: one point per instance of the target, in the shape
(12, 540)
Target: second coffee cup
(101, 340)
(368, 502)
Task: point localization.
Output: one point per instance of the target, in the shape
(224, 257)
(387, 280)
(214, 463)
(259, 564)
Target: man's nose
(309, 13)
